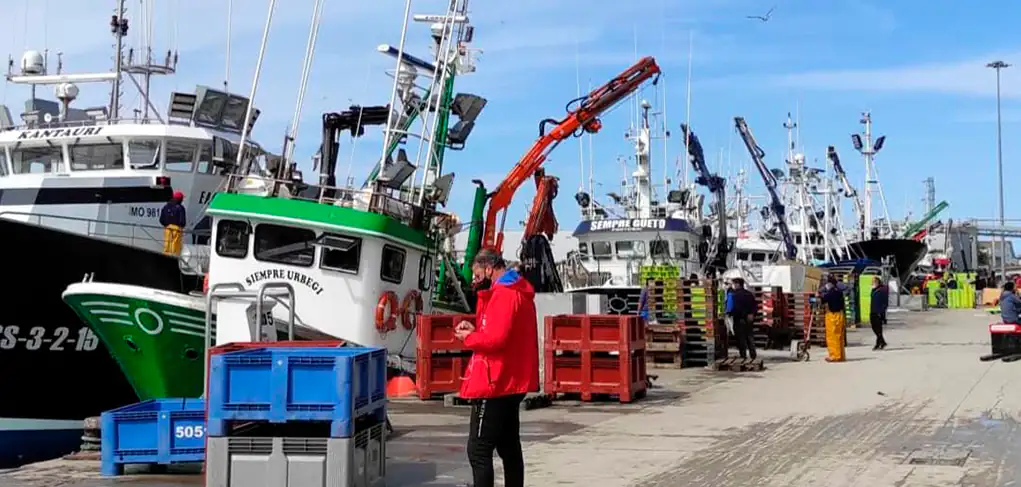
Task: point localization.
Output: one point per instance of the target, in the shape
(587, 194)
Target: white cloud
(969, 77)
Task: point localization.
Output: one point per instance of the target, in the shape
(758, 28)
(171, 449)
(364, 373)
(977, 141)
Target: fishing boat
(81, 191)
(617, 240)
(343, 253)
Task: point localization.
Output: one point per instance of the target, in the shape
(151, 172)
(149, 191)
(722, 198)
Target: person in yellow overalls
(832, 296)
(173, 219)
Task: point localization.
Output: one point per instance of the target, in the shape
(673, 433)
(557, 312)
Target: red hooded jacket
(505, 343)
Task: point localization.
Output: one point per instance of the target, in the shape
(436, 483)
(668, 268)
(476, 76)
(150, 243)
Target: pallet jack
(1005, 341)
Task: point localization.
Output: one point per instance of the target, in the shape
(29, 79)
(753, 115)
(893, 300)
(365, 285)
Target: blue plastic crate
(280, 385)
(162, 431)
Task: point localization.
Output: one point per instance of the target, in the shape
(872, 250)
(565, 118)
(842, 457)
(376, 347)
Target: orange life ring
(386, 312)
(407, 314)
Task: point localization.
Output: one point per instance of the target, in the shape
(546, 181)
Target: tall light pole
(998, 65)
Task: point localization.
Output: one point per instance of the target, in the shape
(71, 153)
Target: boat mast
(796, 170)
(642, 176)
(119, 28)
(867, 153)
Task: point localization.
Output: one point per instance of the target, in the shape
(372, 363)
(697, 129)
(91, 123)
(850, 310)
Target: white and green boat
(360, 263)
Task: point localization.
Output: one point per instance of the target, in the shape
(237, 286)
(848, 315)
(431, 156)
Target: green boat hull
(158, 345)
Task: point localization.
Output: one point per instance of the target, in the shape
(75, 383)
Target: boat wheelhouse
(343, 263)
(110, 178)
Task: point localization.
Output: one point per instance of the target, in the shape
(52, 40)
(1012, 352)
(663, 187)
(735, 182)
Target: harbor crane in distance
(717, 252)
(776, 206)
(849, 191)
(582, 116)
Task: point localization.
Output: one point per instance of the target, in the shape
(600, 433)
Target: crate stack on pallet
(290, 417)
(663, 295)
(595, 355)
(441, 359)
(769, 316)
(167, 431)
(798, 310)
(699, 321)
(817, 335)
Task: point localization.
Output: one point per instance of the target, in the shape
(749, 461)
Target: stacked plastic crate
(698, 319)
(590, 355)
(290, 417)
(441, 358)
(663, 296)
(768, 316)
(798, 315)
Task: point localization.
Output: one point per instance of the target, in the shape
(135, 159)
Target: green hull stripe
(326, 217)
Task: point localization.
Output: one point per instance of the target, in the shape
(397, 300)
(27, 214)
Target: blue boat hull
(31, 441)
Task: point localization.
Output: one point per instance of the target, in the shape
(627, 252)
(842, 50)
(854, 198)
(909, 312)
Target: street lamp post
(998, 65)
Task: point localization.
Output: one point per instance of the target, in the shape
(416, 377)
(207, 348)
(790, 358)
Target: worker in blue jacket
(877, 311)
(1010, 304)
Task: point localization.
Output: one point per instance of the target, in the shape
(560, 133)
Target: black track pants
(496, 425)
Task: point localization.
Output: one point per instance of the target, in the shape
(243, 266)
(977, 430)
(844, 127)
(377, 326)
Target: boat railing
(94, 122)
(131, 234)
(368, 200)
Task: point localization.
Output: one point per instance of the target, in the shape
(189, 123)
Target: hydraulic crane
(849, 191)
(582, 116)
(716, 258)
(537, 262)
(776, 206)
(920, 225)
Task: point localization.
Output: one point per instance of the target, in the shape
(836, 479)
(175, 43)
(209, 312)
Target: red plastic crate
(440, 374)
(587, 373)
(436, 333)
(594, 333)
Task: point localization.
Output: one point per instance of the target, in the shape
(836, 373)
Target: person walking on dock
(743, 307)
(877, 311)
(643, 300)
(504, 367)
(173, 218)
(833, 298)
(1010, 304)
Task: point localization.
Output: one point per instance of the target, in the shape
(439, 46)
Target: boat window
(37, 160)
(3, 162)
(628, 248)
(659, 249)
(285, 245)
(742, 256)
(180, 156)
(425, 273)
(232, 238)
(340, 253)
(144, 154)
(797, 239)
(758, 257)
(96, 157)
(681, 249)
(392, 268)
(583, 249)
(602, 250)
(206, 160)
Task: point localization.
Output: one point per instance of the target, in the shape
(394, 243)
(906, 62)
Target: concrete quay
(924, 412)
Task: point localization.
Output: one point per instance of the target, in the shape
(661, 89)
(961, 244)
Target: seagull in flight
(764, 18)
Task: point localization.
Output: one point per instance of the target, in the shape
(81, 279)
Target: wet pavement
(924, 412)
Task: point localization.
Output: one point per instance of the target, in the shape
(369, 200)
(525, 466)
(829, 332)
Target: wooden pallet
(738, 365)
(662, 360)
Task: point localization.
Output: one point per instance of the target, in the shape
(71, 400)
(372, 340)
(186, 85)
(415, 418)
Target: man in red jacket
(503, 368)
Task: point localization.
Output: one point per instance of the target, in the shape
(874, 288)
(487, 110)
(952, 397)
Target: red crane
(582, 118)
(541, 219)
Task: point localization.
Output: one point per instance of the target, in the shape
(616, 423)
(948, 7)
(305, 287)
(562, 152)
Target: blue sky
(918, 66)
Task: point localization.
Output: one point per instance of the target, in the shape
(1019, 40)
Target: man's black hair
(739, 281)
(489, 258)
(1008, 286)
